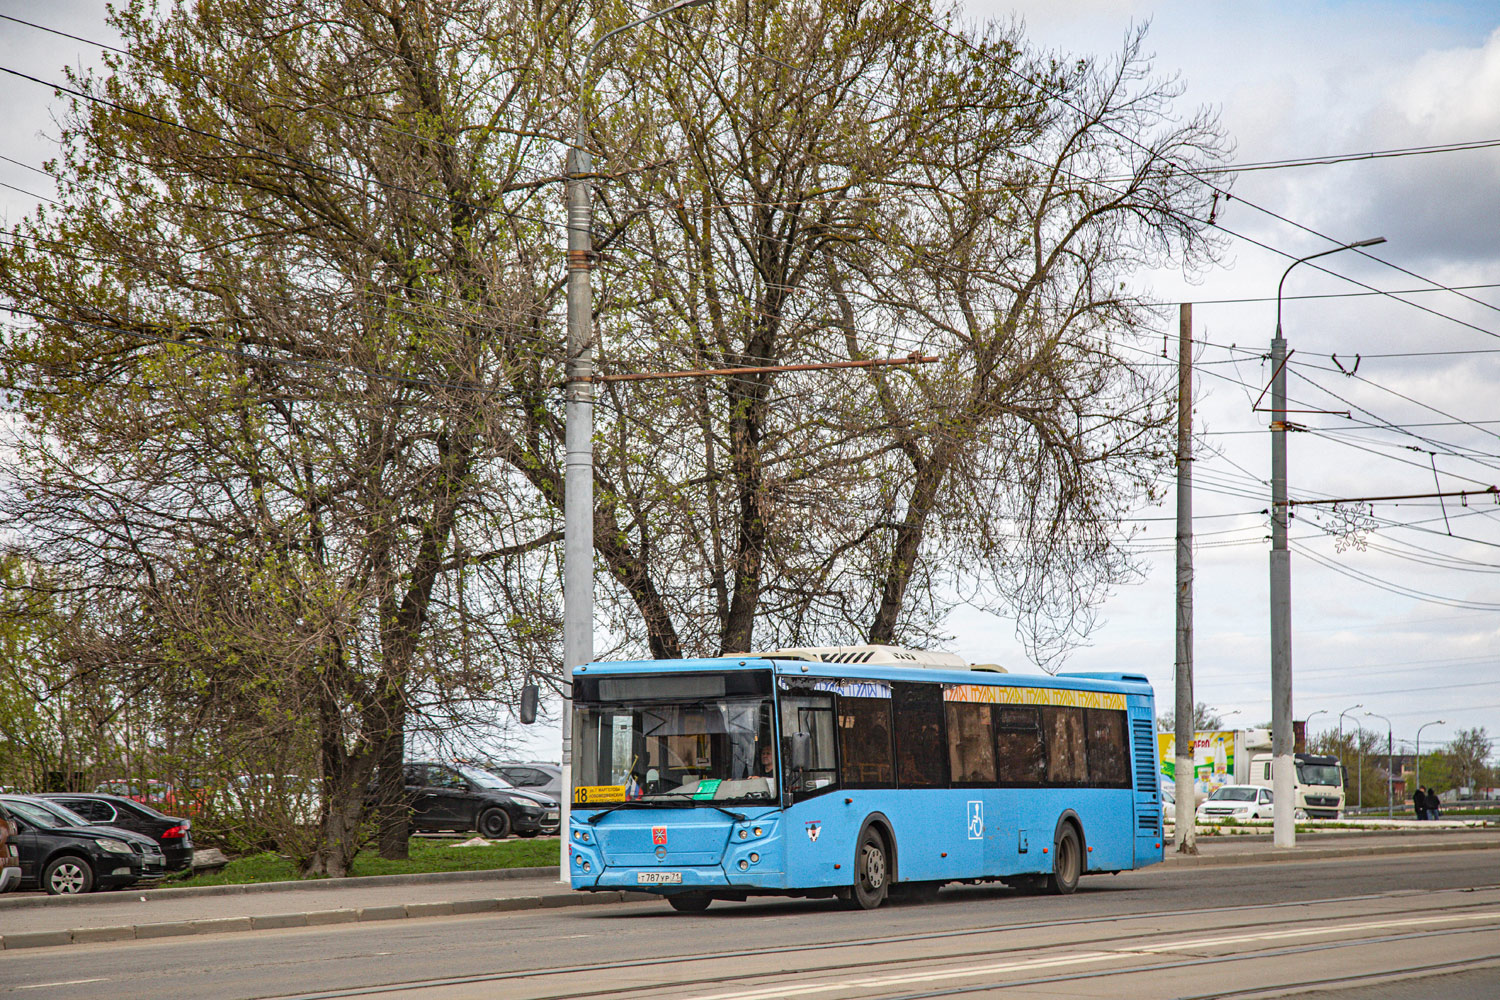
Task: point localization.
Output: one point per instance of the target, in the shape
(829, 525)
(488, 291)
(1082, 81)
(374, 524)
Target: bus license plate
(658, 878)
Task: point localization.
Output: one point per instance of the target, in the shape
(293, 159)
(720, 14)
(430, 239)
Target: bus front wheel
(1067, 862)
(690, 902)
(871, 872)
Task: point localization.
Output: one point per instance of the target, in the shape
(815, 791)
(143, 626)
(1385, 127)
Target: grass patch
(426, 856)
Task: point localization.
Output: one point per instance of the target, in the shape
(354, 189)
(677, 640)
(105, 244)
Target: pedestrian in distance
(1434, 805)
(1419, 802)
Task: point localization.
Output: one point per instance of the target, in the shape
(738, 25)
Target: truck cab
(1319, 792)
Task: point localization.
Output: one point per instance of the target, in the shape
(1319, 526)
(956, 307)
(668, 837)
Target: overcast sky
(1408, 626)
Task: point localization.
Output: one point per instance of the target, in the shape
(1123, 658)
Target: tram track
(1395, 904)
(1267, 992)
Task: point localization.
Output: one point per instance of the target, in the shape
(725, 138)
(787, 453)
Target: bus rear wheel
(1067, 862)
(690, 902)
(871, 872)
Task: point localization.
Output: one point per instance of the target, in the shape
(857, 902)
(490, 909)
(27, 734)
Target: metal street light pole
(578, 417)
(1283, 772)
(1435, 722)
(1341, 722)
(1359, 775)
(1307, 722)
(1390, 765)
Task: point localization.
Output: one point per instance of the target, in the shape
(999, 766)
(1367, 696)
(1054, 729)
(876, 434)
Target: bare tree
(858, 181)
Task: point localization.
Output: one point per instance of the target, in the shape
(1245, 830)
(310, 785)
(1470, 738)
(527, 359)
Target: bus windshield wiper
(678, 803)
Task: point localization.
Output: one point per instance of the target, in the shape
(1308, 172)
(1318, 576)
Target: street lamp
(1307, 722)
(1359, 774)
(1283, 768)
(1341, 722)
(578, 418)
(1390, 766)
(1436, 722)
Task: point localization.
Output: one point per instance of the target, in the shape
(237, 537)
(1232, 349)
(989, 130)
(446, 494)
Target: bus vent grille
(1147, 822)
(1144, 739)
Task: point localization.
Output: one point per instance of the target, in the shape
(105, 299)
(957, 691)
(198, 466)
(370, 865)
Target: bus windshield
(703, 750)
(1318, 774)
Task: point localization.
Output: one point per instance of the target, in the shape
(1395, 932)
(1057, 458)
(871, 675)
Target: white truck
(1320, 784)
(1243, 757)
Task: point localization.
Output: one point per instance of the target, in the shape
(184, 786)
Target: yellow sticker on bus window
(599, 793)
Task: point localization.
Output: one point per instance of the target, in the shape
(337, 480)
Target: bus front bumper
(693, 877)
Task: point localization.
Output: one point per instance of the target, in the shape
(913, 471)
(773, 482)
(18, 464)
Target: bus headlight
(754, 858)
(744, 864)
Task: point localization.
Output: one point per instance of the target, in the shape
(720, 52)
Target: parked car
(10, 858)
(172, 834)
(459, 797)
(534, 776)
(1236, 802)
(63, 853)
(298, 798)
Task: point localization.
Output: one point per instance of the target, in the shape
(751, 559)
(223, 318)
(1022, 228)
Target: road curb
(301, 885)
(312, 918)
(1321, 854)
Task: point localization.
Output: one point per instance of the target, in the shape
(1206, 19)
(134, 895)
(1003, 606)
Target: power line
(1393, 588)
(241, 352)
(1195, 175)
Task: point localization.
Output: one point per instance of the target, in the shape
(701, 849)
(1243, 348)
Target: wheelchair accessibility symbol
(976, 820)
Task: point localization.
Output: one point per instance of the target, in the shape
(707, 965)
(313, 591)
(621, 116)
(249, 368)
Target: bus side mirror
(801, 745)
(529, 698)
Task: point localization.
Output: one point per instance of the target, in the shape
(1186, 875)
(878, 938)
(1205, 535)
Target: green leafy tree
(1468, 755)
(297, 261)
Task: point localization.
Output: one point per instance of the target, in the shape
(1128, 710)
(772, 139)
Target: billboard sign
(1213, 758)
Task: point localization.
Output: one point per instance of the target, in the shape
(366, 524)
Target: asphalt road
(1384, 927)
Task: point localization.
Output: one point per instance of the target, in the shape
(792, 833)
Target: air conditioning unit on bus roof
(877, 654)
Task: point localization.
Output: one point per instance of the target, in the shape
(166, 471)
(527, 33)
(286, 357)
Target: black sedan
(174, 835)
(457, 797)
(63, 853)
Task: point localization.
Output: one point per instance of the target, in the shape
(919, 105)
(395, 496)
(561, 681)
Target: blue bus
(855, 772)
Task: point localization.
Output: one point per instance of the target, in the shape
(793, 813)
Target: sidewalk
(1256, 848)
(33, 921)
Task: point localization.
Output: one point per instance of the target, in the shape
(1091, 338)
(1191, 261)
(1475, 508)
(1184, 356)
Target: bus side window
(971, 743)
(813, 716)
(921, 749)
(1109, 759)
(1067, 761)
(865, 742)
(1020, 753)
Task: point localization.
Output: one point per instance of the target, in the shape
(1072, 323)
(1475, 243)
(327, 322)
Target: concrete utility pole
(1182, 764)
(578, 417)
(1283, 764)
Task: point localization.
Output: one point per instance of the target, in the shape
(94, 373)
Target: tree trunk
(345, 775)
(393, 810)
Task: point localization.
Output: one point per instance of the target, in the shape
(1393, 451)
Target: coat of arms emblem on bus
(813, 826)
(658, 835)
